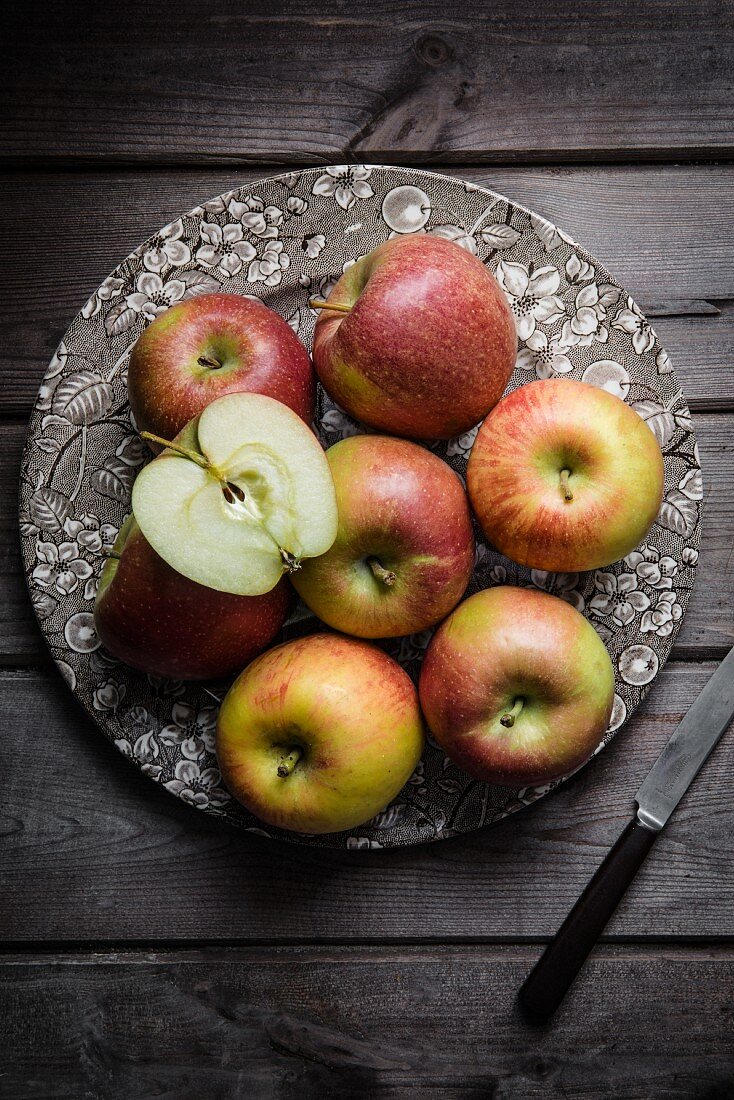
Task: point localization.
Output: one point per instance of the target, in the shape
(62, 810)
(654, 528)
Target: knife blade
(667, 781)
(682, 758)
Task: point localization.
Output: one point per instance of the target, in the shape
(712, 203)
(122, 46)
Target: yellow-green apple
(417, 339)
(564, 476)
(202, 348)
(319, 734)
(517, 687)
(404, 548)
(240, 497)
(157, 620)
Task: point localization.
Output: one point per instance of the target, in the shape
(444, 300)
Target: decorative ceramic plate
(285, 239)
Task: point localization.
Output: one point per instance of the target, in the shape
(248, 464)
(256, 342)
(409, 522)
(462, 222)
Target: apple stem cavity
(321, 303)
(206, 361)
(565, 485)
(508, 720)
(385, 575)
(288, 763)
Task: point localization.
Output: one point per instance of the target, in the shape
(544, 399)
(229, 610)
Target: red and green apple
(404, 548)
(565, 476)
(205, 347)
(157, 620)
(517, 687)
(318, 735)
(417, 339)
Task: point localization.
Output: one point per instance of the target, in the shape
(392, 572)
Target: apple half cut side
(241, 495)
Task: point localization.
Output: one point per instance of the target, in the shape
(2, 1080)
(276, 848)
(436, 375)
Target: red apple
(157, 620)
(318, 735)
(209, 346)
(424, 343)
(404, 549)
(517, 687)
(564, 476)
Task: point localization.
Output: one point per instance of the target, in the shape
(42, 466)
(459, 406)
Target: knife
(667, 781)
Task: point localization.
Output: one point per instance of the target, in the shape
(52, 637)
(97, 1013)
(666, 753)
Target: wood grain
(707, 629)
(299, 83)
(93, 850)
(664, 233)
(368, 1024)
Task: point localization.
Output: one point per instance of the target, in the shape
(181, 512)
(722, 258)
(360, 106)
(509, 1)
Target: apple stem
(385, 575)
(508, 719)
(321, 303)
(206, 361)
(565, 485)
(112, 554)
(185, 452)
(288, 763)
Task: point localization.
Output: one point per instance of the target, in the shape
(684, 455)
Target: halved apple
(241, 495)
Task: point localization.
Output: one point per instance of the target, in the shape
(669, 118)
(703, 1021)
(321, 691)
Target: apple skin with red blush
(205, 347)
(428, 342)
(404, 550)
(159, 621)
(517, 687)
(564, 476)
(319, 734)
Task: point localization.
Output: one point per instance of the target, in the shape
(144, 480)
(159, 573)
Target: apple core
(239, 497)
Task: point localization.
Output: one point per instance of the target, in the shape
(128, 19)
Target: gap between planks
(355, 950)
(51, 952)
(270, 164)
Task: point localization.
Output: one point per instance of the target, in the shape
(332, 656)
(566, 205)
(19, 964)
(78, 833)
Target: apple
(157, 620)
(404, 548)
(417, 339)
(517, 687)
(208, 346)
(240, 497)
(565, 476)
(319, 734)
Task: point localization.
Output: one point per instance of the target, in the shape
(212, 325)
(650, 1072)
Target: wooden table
(147, 950)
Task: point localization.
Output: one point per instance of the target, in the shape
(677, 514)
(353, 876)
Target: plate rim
(251, 187)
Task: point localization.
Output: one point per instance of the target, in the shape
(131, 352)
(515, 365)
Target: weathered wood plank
(92, 850)
(708, 627)
(20, 638)
(407, 80)
(664, 233)
(364, 1023)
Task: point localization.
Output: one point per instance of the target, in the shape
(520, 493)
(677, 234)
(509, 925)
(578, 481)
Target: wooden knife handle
(547, 983)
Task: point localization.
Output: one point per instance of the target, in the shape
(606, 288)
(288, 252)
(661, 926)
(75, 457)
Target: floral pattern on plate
(283, 240)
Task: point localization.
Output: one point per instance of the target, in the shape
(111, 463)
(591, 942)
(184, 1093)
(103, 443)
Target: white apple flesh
(243, 494)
